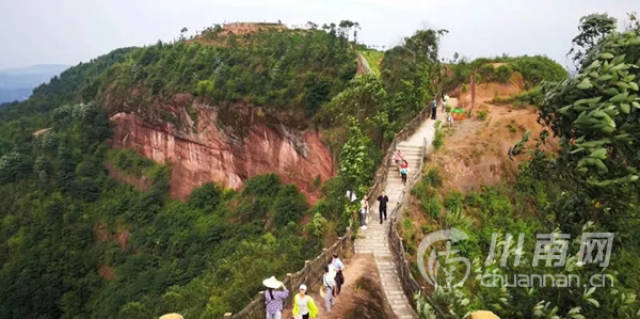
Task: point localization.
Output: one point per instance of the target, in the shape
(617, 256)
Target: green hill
(74, 243)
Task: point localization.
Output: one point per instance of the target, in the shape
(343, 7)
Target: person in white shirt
(364, 208)
(339, 267)
(329, 286)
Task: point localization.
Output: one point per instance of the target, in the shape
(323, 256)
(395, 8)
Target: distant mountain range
(17, 83)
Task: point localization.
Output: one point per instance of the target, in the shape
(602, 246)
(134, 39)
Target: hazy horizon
(75, 31)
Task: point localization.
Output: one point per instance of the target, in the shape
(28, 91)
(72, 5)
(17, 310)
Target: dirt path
(357, 268)
(475, 149)
(363, 65)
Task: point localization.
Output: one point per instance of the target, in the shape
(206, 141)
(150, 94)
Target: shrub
(205, 196)
(205, 88)
(503, 73)
(482, 115)
(432, 206)
(453, 201)
(130, 162)
(318, 225)
(438, 139)
(535, 69)
(288, 205)
(433, 177)
(262, 185)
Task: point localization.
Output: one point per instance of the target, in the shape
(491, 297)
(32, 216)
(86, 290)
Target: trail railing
(311, 273)
(409, 285)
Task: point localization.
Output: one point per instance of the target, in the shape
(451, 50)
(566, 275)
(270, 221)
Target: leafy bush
(266, 185)
(206, 196)
(433, 177)
(130, 162)
(438, 139)
(503, 73)
(432, 206)
(536, 69)
(288, 205)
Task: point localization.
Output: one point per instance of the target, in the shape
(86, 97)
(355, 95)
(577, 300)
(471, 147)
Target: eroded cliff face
(209, 147)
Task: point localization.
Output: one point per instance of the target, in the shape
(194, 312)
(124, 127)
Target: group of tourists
(443, 102)
(383, 199)
(304, 307)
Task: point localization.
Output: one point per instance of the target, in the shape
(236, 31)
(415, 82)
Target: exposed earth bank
(205, 147)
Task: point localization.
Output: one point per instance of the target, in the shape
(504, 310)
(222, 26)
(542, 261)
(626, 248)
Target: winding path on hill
(375, 239)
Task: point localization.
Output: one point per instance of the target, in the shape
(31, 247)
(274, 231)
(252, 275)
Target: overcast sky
(71, 31)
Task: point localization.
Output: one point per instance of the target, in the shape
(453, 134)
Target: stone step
(403, 145)
(374, 240)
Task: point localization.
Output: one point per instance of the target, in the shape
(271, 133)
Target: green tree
(356, 166)
(593, 28)
(288, 205)
(207, 196)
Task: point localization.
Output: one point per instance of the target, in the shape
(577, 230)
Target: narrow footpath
(374, 240)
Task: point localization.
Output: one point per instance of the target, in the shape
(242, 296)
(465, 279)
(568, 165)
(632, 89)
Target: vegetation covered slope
(74, 243)
(590, 185)
(282, 69)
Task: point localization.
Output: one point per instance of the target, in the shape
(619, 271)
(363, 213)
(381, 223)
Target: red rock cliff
(211, 152)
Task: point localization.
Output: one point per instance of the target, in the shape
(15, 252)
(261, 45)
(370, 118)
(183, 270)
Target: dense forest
(588, 185)
(75, 243)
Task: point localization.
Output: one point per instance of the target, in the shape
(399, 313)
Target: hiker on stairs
(398, 158)
(364, 209)
(404, 170)
(382, 205)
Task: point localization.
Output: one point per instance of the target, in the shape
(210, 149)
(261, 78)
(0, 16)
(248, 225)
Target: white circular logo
(443, 266)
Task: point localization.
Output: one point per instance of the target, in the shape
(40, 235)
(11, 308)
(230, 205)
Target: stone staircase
(374, 240)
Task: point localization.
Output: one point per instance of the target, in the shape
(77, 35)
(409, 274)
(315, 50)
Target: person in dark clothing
(338, 266)
(383, 199)
(434, 108)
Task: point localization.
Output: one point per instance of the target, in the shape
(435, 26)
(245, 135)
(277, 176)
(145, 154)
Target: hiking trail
(374, 240)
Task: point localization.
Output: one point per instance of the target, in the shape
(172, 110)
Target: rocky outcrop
(210, 145)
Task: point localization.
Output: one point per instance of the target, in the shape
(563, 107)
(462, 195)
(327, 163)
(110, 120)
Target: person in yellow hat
(303, 305)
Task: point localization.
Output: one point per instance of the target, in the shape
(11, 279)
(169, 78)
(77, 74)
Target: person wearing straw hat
(303, 305)
(171, 316)
(273, 299)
